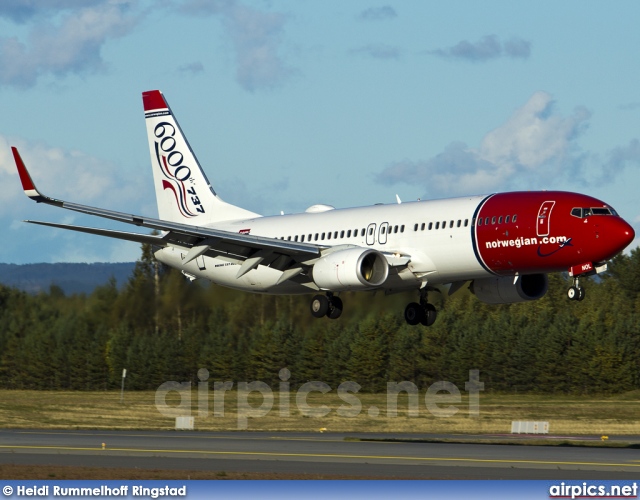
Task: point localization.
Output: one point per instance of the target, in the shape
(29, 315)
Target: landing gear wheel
(335, 308)
(428, 315)
(319, 306)
(576, 292)
(413, 313)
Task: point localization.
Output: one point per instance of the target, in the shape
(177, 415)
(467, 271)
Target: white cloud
(535, 142)
(256, 36)
(70, 175)
(71, 46)
(378, 13)
(488, 47)
(21, 11)
(534, 135)
(378, 51)
(194, 68)
(618, 159)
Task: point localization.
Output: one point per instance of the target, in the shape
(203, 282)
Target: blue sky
(288, 104)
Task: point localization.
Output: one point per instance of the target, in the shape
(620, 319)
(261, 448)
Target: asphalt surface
(316, 453)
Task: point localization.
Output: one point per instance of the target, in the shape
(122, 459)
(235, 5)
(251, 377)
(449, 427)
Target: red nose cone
(622, 235)
(630, 235)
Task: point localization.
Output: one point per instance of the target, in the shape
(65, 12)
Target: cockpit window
(600, 211)
(586, 212)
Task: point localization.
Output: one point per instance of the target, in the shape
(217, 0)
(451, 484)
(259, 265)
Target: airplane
(503, 244)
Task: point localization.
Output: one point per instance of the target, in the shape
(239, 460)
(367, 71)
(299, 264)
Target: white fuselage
(436, 234)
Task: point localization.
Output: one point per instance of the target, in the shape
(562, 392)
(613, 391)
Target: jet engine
(351, 269)
(505, 291)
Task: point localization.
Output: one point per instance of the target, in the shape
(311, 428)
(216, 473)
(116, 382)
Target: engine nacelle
(504, 291)
(351, 269)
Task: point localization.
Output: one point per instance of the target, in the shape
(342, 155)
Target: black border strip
(473, 235)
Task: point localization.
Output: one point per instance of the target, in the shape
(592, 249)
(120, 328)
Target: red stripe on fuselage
(545, 237)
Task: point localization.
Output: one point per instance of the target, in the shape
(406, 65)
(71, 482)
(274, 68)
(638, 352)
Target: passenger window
(493, 220)
(466, 222)
(450, 224)
(288, 238)
(430, 226)
(370, 231)
(402, 228)
(302, 238)
(316, 237)
(422, 227)
(384, 229)
(322, 236)
(349, 233)
(415, 228)
(437, 225)
(362, 232)
(395, 229)
(329, 236)
(500, 220)
(514, 218)
(444, 224)
(506, 221)
(486, 221)
(480, 221)
(459, 223)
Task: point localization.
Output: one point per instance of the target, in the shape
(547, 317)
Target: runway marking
(182, 436)
(324, 455)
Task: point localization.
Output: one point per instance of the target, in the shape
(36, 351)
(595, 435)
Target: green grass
(567, 415)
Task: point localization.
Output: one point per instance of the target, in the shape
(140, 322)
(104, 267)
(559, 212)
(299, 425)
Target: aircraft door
(371, 234)
(542, 226)
(382, 233)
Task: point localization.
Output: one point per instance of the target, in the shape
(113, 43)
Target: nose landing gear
(576, 292)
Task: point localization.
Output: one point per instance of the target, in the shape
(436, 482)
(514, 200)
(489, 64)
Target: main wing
(247, 250)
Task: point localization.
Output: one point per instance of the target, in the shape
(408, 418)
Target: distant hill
(72, 278)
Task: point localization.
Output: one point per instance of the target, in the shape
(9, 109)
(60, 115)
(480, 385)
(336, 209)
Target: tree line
(160, 327)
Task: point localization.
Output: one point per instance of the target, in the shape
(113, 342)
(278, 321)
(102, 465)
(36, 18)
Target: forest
(161, 327)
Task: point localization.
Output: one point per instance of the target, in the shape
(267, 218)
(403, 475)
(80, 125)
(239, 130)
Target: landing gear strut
(326, 305)
(423, 313)
(576, 292)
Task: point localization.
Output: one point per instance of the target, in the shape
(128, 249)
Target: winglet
(27, 183)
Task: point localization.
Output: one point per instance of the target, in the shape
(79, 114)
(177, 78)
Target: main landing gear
(326, 305)
(576, 292)
(423, 313)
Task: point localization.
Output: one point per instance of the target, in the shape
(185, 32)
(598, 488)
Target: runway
(314, 453)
